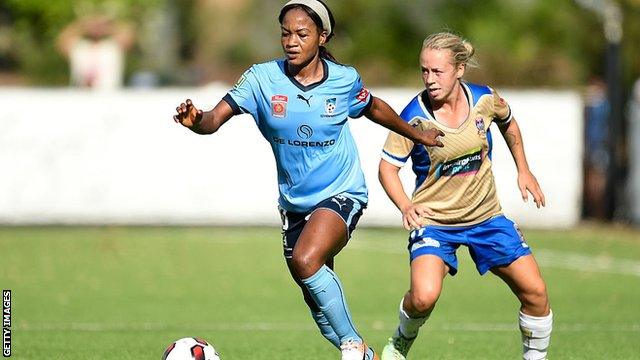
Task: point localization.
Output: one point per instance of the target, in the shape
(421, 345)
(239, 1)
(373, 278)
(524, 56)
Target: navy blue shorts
(347, 208)
(494, 242)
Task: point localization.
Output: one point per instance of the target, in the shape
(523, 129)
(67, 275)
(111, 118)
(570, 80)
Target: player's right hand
(412, 216)
(188, 114)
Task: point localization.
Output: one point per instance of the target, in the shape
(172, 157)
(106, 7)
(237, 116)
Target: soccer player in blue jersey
(301, 105)
(455, 201)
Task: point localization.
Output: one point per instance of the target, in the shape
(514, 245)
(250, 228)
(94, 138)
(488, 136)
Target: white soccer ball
(191, 348)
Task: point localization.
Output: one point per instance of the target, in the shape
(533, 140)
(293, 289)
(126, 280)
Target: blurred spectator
(96, 47)
(596, 150)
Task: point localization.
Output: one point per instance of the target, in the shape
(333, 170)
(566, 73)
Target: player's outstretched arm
(526, 181)
(381, 113)
(203, 122)
(390, 181)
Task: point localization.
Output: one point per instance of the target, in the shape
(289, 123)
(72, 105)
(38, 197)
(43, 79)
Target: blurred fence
(634, 155)
(75, 157)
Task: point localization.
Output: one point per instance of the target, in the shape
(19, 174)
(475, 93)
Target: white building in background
(119, 158)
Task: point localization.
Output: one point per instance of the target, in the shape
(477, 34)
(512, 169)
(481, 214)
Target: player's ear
(323, 37)
(460, 70)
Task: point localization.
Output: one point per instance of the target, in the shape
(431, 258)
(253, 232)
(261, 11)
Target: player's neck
(308, 73)
(454, 109)
(455, 101)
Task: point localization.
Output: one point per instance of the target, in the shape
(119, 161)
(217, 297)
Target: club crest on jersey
(279, 106)
(363, 94)
(330, 106)
(480, 126)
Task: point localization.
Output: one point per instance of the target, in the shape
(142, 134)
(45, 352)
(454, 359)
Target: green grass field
(126, 293)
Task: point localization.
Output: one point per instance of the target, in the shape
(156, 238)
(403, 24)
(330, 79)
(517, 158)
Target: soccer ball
(191, 348)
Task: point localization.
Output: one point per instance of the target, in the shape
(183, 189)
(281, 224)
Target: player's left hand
(528, 183)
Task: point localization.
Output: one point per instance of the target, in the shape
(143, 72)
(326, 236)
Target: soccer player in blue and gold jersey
(454, 202)
(301, 104)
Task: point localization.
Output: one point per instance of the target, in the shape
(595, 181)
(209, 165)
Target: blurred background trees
(519, 43)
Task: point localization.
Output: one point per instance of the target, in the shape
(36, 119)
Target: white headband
(318, 8)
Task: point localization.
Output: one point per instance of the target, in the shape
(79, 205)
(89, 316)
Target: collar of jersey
(325, 70)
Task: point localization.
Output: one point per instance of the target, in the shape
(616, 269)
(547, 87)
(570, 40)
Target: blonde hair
(461, 48)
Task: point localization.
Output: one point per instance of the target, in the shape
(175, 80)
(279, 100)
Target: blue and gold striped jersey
(307, 127)
(455, 181)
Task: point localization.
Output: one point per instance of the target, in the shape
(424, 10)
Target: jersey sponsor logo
(305, 131)
(298, 143)
(481, 128)
(330, 106)
(466, 164)
(363, 94)
(279, 106)
(426, 242)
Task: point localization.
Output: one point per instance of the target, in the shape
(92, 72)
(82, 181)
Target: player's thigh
(427, 275)
(323, 236)
(330, 225)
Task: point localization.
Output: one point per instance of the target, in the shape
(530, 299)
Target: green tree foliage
(518, 42)
(36, 25)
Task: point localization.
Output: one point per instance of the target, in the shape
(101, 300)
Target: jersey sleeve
(397, 149)
(359, 99)
(501, 109)
(243, 96)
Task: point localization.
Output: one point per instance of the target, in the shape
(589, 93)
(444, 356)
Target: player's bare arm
(527, 182)
(390, 180)
(381, 113)
(203, 122)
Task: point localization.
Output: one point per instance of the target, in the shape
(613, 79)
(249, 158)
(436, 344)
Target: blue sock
(369, 354)
(325, 328)
(326, 290)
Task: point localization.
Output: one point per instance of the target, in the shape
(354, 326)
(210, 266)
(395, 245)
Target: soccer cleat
(397, 348)
(353, 350)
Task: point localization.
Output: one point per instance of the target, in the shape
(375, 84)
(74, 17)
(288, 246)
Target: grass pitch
(126, 293)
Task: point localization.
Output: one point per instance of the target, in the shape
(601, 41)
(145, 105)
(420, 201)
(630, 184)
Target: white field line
(545, 257)
(307, 326)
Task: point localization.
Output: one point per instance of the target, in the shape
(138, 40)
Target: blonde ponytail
(462, 49)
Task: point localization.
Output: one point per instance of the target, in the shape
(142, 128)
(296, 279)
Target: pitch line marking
(307, 326)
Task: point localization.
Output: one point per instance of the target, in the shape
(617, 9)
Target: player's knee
(423, 302)
(535, 296)
(305, 265)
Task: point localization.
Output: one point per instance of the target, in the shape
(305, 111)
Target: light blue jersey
(307, 128)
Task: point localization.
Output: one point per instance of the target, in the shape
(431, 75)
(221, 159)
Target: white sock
(536, 333)
(409, 326)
